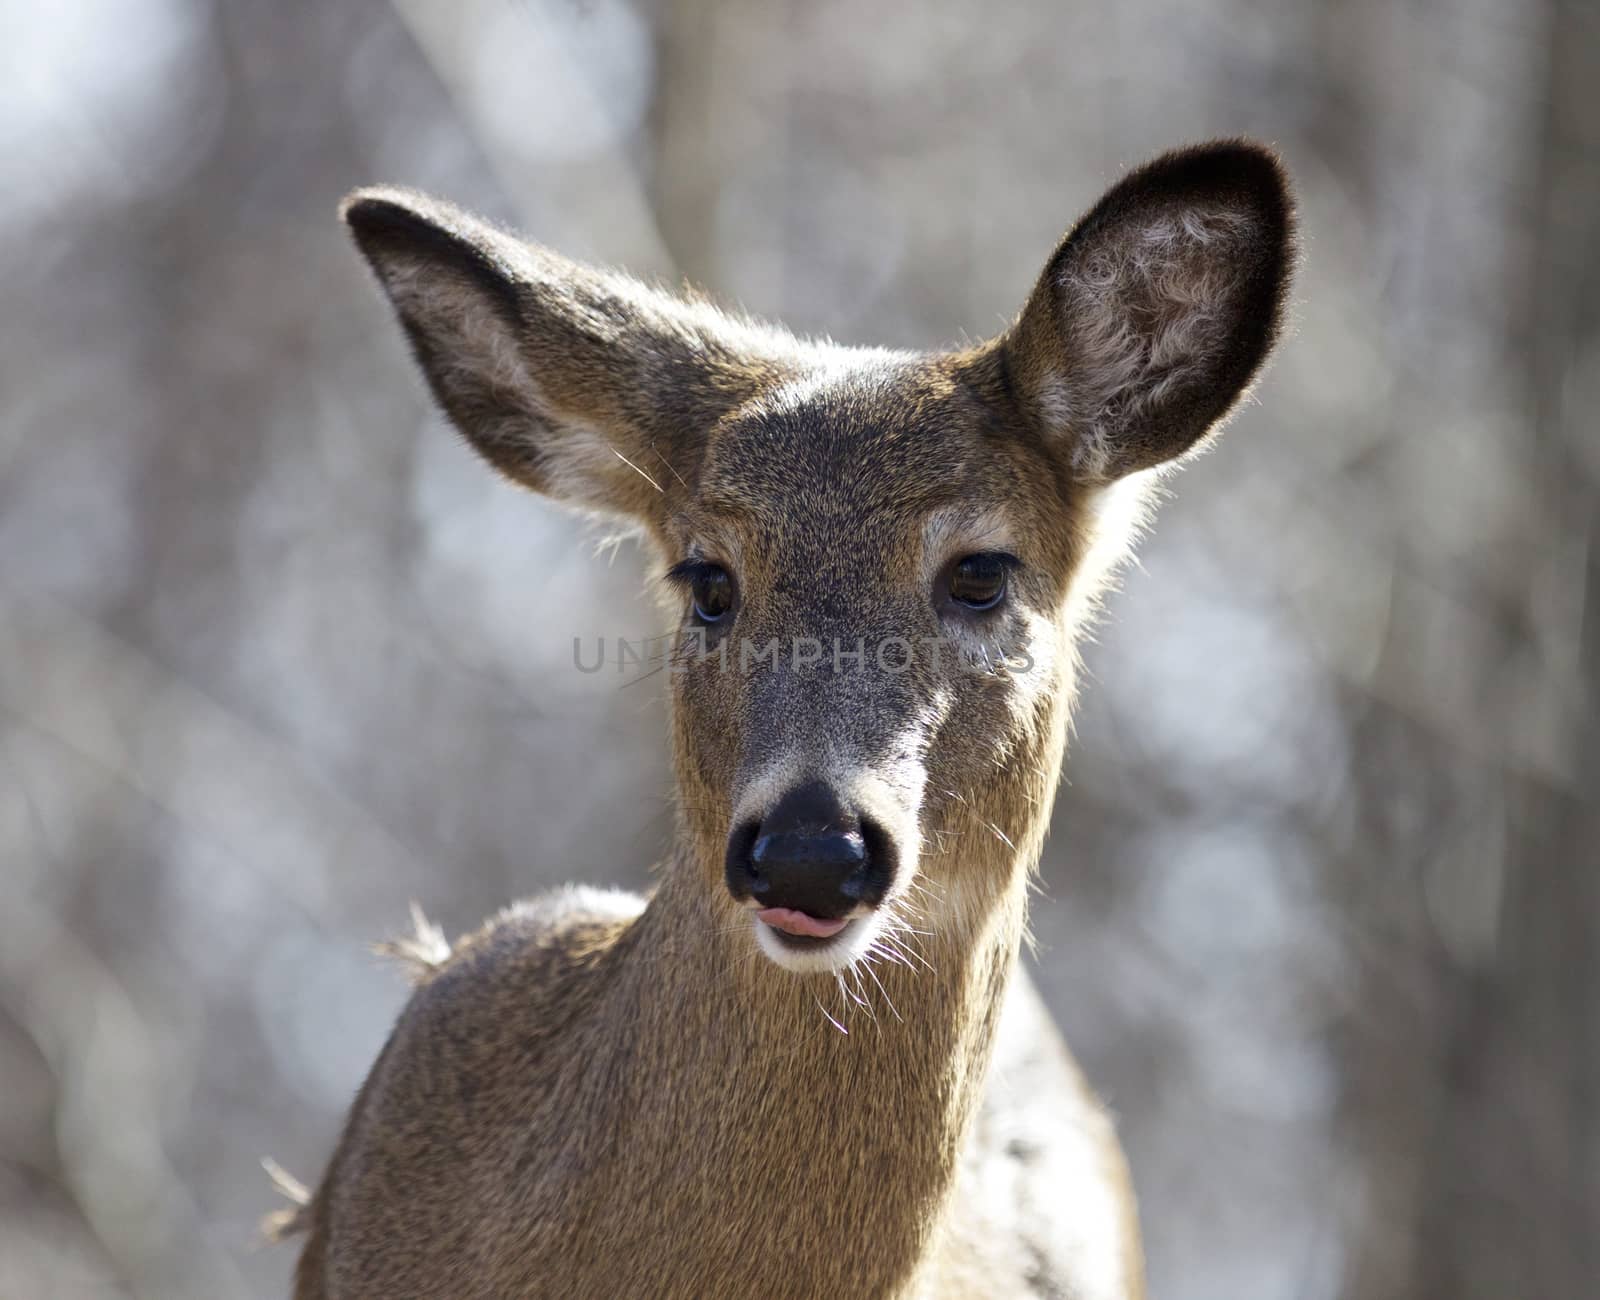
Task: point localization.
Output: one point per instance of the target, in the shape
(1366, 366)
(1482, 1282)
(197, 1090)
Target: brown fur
(598, 1096)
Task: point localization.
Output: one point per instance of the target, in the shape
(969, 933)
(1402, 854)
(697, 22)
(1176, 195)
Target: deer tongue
(791, 921)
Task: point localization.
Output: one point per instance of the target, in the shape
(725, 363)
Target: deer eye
(712, 593)
(710, 588)
(978, 582)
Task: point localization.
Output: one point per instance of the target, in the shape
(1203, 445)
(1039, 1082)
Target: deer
(808, 1062)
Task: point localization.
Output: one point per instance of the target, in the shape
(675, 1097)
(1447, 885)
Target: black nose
(810, 853)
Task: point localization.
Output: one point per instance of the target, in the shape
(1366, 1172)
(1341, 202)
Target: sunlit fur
(600, 1096)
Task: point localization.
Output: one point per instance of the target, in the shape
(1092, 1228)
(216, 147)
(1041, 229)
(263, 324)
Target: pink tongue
(791, 921)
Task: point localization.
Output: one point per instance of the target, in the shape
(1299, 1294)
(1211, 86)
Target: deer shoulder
(457, 1099)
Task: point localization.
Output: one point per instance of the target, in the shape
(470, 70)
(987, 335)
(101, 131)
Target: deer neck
(841, 1103)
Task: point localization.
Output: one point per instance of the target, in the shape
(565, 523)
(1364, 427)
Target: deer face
(875, 561)
(874, 565)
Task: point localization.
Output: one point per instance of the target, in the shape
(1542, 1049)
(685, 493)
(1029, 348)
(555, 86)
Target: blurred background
(278, 655)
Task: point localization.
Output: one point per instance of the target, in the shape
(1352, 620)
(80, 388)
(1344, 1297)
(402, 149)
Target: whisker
(667, 463)
(846, 993)
(1002, 836)
(636, 469)
(888, 954)
(873, 976)
(908, 957)
(829, 1015)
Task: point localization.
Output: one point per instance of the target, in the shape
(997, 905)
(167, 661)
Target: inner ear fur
(1156, 312)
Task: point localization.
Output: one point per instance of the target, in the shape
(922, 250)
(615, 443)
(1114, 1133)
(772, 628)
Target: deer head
(876, 561)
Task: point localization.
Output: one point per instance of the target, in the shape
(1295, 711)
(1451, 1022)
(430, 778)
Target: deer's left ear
(1157, 311)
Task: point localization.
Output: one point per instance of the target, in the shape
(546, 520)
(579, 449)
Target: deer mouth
(803, 942)
(795, 924)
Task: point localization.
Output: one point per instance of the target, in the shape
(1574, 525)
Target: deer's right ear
(1158, 309)
(583, 384)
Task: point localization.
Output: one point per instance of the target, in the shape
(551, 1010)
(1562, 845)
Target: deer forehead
(888, 465)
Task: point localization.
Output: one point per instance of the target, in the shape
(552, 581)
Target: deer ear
(1157, 311)
(583, 384)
